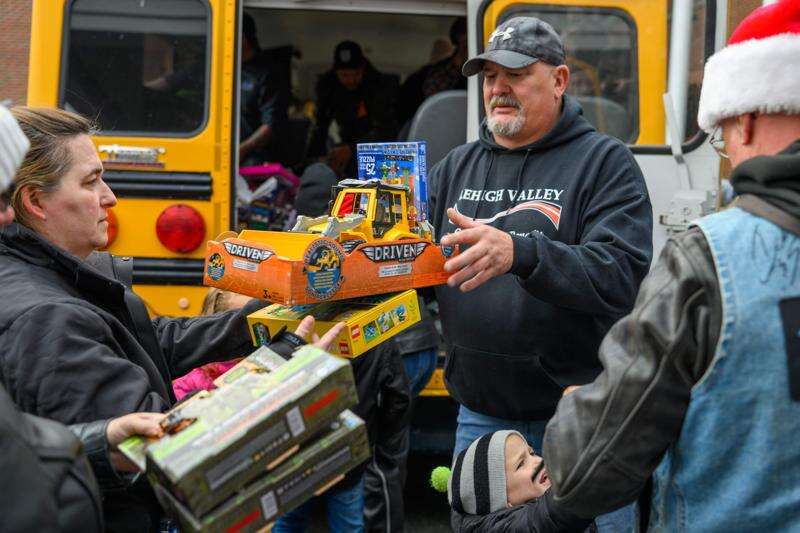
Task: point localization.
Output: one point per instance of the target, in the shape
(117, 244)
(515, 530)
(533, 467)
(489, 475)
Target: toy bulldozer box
(318, 465)
(366, 246)
(369, 320)
(217, 442)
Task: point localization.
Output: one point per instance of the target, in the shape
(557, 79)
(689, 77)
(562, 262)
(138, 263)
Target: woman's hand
(119, 429)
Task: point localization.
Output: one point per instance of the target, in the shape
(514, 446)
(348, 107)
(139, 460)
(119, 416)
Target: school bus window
(601, 55)
(139, 67)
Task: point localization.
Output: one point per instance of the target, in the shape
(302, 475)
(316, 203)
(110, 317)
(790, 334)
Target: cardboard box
(314, 468)
(369, 320)
(303, 268)
(398, 164)
(233, 434)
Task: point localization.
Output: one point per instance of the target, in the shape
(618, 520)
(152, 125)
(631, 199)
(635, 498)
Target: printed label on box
(245, 265)
(395, 270)
(295, 420)
(269, 505)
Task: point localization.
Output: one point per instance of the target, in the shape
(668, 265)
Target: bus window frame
(641, 149)
(520, 9)
(64, 71)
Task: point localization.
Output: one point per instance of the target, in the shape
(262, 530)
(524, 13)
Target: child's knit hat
(478, 481)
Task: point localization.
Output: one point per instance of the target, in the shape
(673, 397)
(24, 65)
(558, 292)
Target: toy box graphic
(318, 465)
(368, 321)
(305, 268)
(217, 442)
(398, 164)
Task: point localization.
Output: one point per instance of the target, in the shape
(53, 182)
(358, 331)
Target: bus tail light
(180, 228)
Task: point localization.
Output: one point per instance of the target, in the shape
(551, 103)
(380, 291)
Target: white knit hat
(13, 147)
(759, 69)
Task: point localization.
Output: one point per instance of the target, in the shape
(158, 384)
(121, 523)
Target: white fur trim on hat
(757, 75)
(13, 146)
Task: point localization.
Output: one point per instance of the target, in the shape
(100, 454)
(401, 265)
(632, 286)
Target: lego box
(399, 163)
(219, 441)
(303, 268)
(369, 320)
(317, 466)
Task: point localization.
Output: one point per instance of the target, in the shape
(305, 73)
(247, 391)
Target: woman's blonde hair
(48, 159)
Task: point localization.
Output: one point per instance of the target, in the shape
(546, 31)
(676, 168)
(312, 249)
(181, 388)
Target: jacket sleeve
(385, 473)
(28, 503)
(602, 272)
(188, 343)
(538, 516)
(607, 437)
(63, 362)
(95, 445)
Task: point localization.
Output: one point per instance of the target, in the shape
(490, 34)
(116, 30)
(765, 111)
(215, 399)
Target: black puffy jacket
(72, 351)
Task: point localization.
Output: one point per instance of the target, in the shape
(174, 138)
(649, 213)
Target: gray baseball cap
(517, 43)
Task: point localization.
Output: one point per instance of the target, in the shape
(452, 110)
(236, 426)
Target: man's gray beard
(507, 128)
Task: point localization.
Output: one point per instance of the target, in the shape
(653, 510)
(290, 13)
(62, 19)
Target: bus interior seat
(606, 116)
(441, 121)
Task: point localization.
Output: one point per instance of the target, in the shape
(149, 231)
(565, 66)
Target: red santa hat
(759, 70)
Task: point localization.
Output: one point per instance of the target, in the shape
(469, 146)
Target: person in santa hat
(700, 391)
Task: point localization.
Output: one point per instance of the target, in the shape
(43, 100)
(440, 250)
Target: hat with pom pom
(477, 483)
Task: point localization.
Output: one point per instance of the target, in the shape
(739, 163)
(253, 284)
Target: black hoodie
(576, 205)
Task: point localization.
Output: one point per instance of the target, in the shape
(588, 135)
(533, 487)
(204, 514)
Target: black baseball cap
(348, 54)
(517, 43)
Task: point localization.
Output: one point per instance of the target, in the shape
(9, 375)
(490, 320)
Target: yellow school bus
(161, 78)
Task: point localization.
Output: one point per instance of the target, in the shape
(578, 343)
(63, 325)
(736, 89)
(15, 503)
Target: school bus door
(159, 79)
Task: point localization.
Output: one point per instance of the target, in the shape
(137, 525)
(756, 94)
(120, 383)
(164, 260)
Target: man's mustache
(508, 101)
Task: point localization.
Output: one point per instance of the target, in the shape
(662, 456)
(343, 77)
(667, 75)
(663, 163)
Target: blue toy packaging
(398, 164)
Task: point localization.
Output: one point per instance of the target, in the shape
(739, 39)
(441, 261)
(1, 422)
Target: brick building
(15, 33)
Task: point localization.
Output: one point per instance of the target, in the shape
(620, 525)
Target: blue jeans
(419, 369)
(345, 511)
(472, 425)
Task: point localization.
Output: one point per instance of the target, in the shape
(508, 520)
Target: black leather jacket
(607, 437)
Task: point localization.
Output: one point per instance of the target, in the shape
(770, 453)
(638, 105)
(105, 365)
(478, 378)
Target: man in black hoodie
(557, 229)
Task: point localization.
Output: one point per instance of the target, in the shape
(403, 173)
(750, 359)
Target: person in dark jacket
(78, 345)
(442, 75)
(44, 461)
(264, 101)
(384, 402)
(360, 99)
(556, 223)
(700, 390)
(557, 226)
(499, 484)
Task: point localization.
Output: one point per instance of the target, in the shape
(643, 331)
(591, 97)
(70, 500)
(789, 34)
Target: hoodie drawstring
(489, 171)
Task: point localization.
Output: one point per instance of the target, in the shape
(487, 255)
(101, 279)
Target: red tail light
(180, 228)
(113, 228)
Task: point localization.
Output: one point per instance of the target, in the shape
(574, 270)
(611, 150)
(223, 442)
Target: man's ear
(561, 77)
(32, 202)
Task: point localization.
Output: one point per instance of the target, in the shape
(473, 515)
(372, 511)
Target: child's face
(526, 476)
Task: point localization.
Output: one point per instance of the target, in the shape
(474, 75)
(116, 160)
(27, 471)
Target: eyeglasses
(717, 142)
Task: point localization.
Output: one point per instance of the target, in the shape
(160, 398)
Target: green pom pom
(439, 478)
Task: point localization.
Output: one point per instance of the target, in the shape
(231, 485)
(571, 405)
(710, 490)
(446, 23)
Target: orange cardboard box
(304, 268)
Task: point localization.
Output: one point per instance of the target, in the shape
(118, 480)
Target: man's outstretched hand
(305, 329)
(490, 253)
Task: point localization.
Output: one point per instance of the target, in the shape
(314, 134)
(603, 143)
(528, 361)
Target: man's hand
(119, 429)
(305, 329)
(490, 253)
